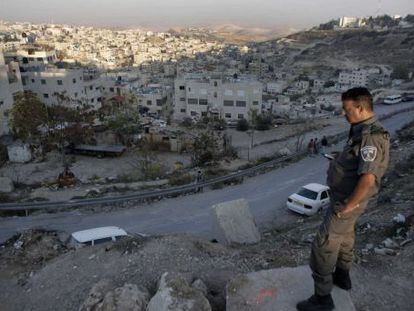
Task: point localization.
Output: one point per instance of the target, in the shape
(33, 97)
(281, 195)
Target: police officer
(354, 176)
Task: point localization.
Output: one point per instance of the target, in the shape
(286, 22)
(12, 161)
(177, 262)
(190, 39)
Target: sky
(161, 14)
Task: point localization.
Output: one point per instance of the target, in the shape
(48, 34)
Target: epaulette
(374, 128)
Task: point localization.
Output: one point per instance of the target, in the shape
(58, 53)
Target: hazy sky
(166, 13)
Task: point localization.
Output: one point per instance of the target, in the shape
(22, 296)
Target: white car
(96, 236)
(309, 199)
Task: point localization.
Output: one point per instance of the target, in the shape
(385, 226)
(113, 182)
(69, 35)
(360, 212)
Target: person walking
(310, 147)
(324, 143)
(315, 146)
(354, 176)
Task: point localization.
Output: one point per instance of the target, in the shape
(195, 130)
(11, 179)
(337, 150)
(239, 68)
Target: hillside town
(187, 146)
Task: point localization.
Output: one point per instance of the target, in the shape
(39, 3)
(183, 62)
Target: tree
(263, 122)
(27, 116)
(242, 125)
(400, 72)
(205, 149)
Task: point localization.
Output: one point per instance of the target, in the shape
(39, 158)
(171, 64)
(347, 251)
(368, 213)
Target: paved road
(265, 193)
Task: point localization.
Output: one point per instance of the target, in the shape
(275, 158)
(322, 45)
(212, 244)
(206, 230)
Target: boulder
(175, 294)
(199, 284)
(6, 185)
(234, 223)
(277, 289)
(126, 298)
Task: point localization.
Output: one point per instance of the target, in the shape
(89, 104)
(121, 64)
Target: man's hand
(363, 188)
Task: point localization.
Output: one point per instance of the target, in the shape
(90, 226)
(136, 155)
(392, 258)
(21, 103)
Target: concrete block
(6, 185)
(233, 223)
(278, 290)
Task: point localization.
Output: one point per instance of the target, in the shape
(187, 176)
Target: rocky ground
(41, 272)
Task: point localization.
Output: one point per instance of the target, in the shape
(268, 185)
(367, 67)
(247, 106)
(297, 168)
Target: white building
(353, 78)
(276, 86)
(350, 22)
(10, 85)
(41, 76)
(157, 99)
(227, 98)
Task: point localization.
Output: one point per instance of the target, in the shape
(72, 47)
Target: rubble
(385, 251)
(174, 294)
(234, 223)
(126, 298)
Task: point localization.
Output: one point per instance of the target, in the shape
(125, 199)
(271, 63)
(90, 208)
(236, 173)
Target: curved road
(265, 193)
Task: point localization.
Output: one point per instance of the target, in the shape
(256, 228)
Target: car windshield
(309, 194)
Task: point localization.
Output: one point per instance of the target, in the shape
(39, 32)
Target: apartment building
(156, 98)
(41, 75)
(228, 98)
(10, 85)
(358, 77)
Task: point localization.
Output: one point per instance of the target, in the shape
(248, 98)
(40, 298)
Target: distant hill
(237, 34)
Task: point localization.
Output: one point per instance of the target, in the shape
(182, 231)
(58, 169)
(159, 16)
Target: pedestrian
(315, 146)
(354, 176)
(310, 147)
(324, 144)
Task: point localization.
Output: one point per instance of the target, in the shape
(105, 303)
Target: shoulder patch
(369, 153)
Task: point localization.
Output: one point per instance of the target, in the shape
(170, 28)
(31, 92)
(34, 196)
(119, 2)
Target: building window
(228, 103)
(1, 102)
(149, 102)
(43, 81)
(189, 89)
(91, 87)
(240, 93)
(182, 110)
(240, 116)
(202, 101)
(182, 99)
(25, 60)
(33, 80)
(76, 94)
(193, 113)
(111, 89)
(182, 87)
(92, 100)
(255, 102)
(59, 82)
(192, 101)
(227, 115)
(31, 59)
(40, 59)
(215, 94)
(215, 83)
(204, 113)
(74, 80)
(159, 102)
(240, 103)
(45, 95)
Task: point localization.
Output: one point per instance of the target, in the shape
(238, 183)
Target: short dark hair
(361, 95)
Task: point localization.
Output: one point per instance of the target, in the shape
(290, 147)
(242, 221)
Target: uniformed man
(354, 176)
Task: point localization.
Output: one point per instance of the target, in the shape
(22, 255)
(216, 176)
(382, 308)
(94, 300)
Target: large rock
(277, 289)
(6, 185)
(175, 294)
(234, 223)
(126, 298)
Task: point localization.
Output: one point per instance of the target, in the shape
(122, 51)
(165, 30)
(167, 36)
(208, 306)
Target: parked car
(309, 199)
(96, 236)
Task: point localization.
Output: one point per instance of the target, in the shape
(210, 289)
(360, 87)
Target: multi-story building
(353, 78)
(225, 97)
(42, 76)
(157, 99)
(10, 85)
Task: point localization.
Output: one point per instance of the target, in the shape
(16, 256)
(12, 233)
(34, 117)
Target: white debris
(399, 219)
(385, 251)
